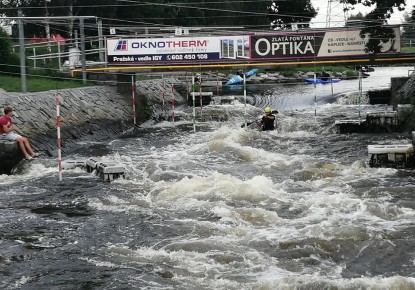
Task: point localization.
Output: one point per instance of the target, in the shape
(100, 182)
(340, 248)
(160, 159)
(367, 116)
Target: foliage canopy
(9, 62)
(262, 14)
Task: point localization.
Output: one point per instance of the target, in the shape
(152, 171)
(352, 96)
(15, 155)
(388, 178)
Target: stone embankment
(89, 114)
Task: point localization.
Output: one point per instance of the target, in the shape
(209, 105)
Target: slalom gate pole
(315, 97)
(58, 130)
(200, 95)
(315, 81)
(162, 94)
(172, 103)
(360, 91)
(133, 100)
(217, 83)
(187, 88)
(246, 124)
(194, 104)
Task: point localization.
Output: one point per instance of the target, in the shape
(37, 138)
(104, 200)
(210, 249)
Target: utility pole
(70, 24)
(100, 40)
(334, 18)
(47, 27)
(83, 61)
(23, 85)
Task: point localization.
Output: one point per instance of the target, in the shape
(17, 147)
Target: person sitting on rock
(6, 130)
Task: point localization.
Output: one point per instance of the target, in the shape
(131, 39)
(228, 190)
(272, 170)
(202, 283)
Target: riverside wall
(89, 114)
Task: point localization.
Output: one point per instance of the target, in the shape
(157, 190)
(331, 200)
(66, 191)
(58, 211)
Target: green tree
(9, 62)
(285, 14)
(39, 8)
(355, 20)
(146, 13)
(382, 11)
(375, 22)
(408, 33)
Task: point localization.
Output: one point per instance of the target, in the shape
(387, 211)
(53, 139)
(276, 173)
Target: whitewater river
(222, 208)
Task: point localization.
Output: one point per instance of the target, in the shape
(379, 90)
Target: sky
(337, 14)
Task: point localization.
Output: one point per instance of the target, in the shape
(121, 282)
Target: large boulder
(10, 155)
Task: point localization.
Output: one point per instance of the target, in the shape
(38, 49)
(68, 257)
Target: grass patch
(408, 49)
(37, 84)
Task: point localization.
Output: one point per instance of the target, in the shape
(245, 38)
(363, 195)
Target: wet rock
(68, 209)
(166, 274)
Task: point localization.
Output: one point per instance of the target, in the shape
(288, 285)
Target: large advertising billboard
(317, 45)
(275, 46)
(176, 49)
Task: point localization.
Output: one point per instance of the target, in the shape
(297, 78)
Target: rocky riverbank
(90, 114)
(87, 114)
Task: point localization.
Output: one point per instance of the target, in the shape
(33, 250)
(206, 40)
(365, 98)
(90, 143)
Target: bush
(9, 62)
(10, 65)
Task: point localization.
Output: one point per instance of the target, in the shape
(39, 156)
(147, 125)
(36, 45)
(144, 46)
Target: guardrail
(59, 54)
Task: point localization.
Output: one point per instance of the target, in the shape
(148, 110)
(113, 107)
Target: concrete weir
(395, 156)
(201, 98)
(107, 170)
(377, 122)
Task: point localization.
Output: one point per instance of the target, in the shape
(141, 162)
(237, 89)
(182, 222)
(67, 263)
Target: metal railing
(61, 53)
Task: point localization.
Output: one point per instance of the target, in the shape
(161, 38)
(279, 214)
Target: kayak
(236, 79)
(321, 81)
(251, 72)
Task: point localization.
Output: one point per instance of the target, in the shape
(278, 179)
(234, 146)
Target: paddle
(249, 123)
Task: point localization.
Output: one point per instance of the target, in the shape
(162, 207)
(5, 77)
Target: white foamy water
(222, 208)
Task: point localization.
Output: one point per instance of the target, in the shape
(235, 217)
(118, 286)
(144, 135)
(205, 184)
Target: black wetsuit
(267, 123)
(325, 75)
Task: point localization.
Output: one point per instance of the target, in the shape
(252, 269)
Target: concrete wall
(405, 93)
(399, 90)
